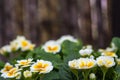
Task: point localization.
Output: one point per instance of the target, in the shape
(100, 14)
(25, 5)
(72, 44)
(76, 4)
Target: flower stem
(104, 73)
(85, 74)
(104, 70)
(75, 72)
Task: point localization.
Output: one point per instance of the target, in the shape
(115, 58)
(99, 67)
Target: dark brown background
(94, 21)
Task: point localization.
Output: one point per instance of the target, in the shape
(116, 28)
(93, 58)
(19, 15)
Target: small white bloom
(42, 66)
(5, 49)
(92, 76)
(27, 74)
(82, 63)
(86, 63)
(21, 43)
(6, 68)
(18, 75)
(112, 48)
(105, 61)
(91, 57)
(14, 45)
(24, 63)
(107, 53)
(87, 46)
(66, 37)
(11, 73)
(73, 64)
(52, 47)
(85, 52)
(118, 61)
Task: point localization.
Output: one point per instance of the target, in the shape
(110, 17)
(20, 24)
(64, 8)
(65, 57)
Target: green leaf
(70, 47)
(116, 41)
(2, 64)
(117, 72)
(65, 73)
(54, 58)
(53, 75)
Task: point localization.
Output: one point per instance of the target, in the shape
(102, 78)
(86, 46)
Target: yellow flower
(105, 61)
(27, 74)
(42, 66)
(6, 68)
(52, 47)
(86, 63)
(24, 63)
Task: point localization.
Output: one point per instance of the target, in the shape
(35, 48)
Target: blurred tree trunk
(84, 21)
(41, 20)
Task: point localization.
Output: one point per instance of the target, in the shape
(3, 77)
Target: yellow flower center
(24, 62)
(89, 64)
(31, 47)
(52, 49)
(40, 65)
(24, 43)
(109, 53)
(108, 62)
(12, 72)
(7, 68)
(82, 64)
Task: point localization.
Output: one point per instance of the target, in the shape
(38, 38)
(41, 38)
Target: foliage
(64, 61)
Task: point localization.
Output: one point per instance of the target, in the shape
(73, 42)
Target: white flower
(21, 43)
(112, 48)
(107, 53)
(82, 63)
(105, 61)
(52, 47)
(42, 66)
(86, 63)
(66, 37)
(118, 61)
(14, 45)
(18, 75)
(92, 76)
(87, 46)
(27, 74)
(6, 68)
(24, 63)
(91, 57)
(26, 45)
(73, 64)
(5, 49)
(85, 52)
(11, 73)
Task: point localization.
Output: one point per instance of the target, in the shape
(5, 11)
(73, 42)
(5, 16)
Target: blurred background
(93, 21)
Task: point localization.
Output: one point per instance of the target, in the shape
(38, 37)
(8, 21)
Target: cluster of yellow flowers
(20, 43)
(40, 67)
